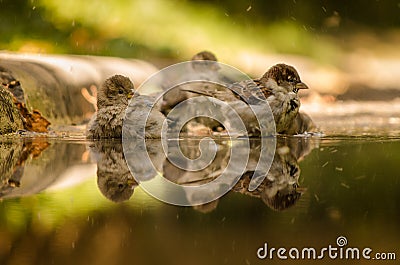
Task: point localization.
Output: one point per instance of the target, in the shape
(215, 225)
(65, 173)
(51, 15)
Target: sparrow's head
(204, 55)
(116, 90)
(207, 56)
(286, 77)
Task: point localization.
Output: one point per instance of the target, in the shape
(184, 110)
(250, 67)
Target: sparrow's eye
(292, 79)
(120, 91)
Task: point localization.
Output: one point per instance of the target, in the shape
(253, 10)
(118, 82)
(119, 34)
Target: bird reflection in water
(279, 189)
(114, 179)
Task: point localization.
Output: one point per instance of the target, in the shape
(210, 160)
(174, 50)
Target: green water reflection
(55, 211)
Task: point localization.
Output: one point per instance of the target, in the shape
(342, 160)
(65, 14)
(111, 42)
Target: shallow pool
(69, 201)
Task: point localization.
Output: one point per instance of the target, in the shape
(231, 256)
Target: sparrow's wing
(212, 90)
(251, 91)
(266, 91)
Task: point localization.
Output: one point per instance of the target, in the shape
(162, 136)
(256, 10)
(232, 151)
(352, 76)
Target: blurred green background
(167, 31)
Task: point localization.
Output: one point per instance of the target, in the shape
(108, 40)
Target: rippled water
(69, 201)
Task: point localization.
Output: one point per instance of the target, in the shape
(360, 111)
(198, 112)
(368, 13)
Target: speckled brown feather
(281, 72)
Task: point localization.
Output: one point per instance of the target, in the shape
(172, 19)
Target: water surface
(57, 208)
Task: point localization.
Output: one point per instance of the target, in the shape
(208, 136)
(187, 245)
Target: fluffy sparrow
(112, 103)
(177, 94)
(203, 66)
(302, 123)
(279, 86)
(142, 107)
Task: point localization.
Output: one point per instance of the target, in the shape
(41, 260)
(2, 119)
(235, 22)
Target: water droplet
(345, 185)
(339, 169)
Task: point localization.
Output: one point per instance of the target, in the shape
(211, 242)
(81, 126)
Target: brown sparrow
(112, 101)
(112, 104)
(302, 123)
(143, 119)
(278, 86)
(177, 94)
(205, 56)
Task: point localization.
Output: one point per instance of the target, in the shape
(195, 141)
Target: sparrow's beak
(301, 85)
(130, 182)
(130, 95)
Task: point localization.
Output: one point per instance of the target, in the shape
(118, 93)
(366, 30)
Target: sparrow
(302, 124)
(209, 63)
(279, 86)
(202, 64)
(143, 111)
(112, 100)
(112, 108)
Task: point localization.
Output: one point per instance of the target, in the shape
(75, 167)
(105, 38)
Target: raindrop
(339, 169)
(345, 185)
(248, 9)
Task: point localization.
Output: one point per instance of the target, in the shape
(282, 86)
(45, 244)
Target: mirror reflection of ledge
(13, 157)
(30, 166)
